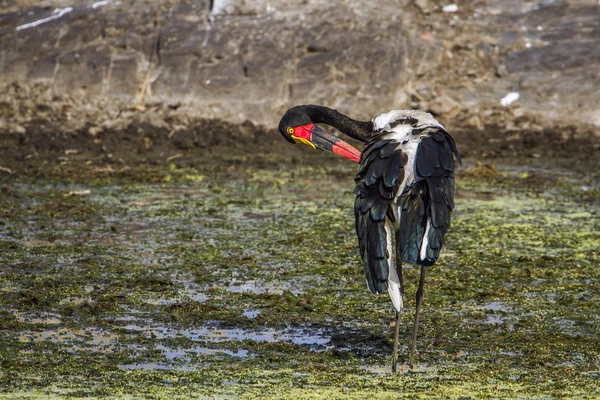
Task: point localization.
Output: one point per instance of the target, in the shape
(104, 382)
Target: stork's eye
(290, 131)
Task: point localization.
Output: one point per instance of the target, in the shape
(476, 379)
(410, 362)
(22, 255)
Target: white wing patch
(393, 280)
(423, 254)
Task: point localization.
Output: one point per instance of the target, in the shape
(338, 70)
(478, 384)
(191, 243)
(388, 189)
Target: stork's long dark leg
(396, 332)
(397, 326)
(416, 327)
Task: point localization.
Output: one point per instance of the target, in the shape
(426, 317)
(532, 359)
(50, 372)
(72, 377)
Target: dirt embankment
(42, 129)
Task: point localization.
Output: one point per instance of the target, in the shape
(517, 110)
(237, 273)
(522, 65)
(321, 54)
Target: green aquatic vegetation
(245, 282)
(194, 312)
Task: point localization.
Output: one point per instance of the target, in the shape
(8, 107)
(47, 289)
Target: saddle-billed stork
(404, 191)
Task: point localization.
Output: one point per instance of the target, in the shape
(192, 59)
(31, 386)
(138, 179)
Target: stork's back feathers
(405, 181)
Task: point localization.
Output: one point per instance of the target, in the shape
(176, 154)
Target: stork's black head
(296, 126)
(293, 118)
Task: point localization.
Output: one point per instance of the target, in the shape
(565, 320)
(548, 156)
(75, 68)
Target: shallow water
(214, 335)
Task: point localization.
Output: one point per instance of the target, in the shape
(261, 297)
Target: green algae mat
(237, 279)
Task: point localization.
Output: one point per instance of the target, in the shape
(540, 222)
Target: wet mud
(230, 269)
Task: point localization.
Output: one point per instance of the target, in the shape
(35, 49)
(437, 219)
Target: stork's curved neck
(359, 130)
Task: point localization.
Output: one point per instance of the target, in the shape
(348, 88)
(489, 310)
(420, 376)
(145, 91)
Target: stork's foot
(397, 366)
(411, 364)
(400, 367)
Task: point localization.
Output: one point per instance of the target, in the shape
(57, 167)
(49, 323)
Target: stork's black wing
(379, 177)
(426, 205)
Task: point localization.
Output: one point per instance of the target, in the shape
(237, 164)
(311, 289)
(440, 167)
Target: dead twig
(78, 193)
(176, 156)
(412, 91)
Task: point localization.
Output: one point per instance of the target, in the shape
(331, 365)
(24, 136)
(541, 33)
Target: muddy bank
(42, 133)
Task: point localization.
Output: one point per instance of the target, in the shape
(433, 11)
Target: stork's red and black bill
(315, 137)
